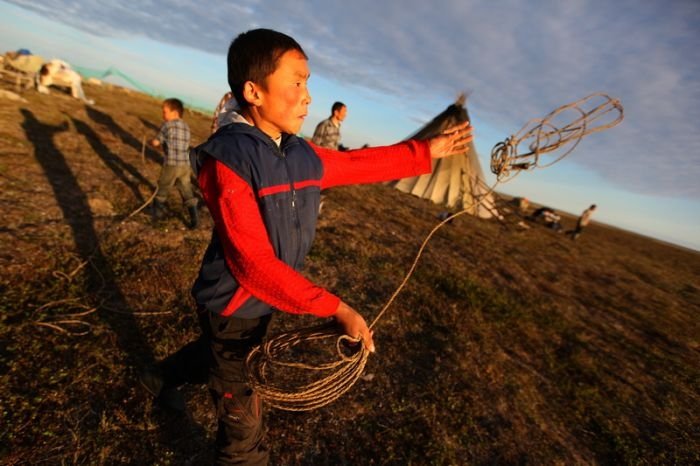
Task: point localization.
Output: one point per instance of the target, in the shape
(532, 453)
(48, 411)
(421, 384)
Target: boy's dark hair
(175, 104)
(593, 206)
(337, 106)
(253, 56)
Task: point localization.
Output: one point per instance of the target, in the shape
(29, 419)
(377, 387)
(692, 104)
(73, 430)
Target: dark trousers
(577, 231)
(176, 175)
(218, 357)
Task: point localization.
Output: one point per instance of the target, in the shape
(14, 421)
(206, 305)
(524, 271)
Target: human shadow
(126, 172)
(149, 125)
(126, 137)
(102, 286)
(73, 202)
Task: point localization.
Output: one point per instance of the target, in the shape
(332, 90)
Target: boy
(174, 137)
(262, 185)
(327, 133)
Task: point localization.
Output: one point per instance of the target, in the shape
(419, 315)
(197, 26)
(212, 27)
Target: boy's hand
(354, 325)
(452, 141)
(155, 142)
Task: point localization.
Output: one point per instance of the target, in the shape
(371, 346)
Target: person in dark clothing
(262, 186)
(548, 217)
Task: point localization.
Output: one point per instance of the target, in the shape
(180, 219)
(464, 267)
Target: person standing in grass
(262, 186)
(582, 222)
(174, 138)
(327, 133)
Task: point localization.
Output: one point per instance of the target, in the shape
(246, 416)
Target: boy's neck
(253, 117)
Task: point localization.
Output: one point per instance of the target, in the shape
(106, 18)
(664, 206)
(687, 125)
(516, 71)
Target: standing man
(327, 133)
(583, 220)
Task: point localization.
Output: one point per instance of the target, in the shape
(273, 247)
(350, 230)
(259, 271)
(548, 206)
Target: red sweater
(248, 252)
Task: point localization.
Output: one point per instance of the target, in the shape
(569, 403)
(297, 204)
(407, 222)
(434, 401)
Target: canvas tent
(21, 68)
(457, 181)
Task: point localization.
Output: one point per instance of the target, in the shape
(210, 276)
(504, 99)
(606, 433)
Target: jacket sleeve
(248, 252)
(162, 135)
(319, 133)
(373, 164)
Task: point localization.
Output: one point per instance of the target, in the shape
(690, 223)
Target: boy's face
(169, 114)
(284, 101)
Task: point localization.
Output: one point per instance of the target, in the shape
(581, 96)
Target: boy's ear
(252, 94)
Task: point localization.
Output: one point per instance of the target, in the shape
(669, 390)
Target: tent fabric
(20, 68)
(30, 64)
(112, 71)
(456, 181)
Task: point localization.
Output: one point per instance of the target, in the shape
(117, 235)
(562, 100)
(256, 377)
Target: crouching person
(59, 73)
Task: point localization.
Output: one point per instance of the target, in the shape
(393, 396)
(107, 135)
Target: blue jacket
(290, 175)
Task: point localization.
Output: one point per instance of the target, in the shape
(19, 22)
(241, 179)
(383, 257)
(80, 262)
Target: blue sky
(397, 64)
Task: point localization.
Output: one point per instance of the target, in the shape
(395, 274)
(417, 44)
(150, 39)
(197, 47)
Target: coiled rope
(350, 363)
(594, 113)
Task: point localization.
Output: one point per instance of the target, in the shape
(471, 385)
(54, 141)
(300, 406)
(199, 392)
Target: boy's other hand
(451, 141)
(155, 142)
(354, 325)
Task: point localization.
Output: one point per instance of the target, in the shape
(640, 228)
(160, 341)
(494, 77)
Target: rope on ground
(348, 368)
(67, 323)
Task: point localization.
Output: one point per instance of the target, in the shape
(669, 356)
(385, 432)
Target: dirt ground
(508, 346)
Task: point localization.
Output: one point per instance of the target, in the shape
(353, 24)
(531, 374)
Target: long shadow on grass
(126, 137)
(149, 125)
(77, 214)
(102, 286)
(107, 121)
(120, 168)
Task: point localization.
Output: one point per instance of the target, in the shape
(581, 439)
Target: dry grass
(508, 346)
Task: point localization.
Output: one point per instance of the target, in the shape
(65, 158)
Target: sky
(397, 64)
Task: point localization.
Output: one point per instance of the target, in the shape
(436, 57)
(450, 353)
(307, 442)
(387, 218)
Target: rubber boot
(157, 210)
(153, 380)
(194, 217)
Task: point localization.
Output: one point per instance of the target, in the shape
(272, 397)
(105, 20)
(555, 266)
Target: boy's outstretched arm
(452, 141)
(385, 163)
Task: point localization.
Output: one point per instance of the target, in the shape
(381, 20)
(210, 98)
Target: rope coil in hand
(347, 369)
(262, 360)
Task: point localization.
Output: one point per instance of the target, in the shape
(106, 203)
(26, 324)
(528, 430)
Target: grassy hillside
(509, 346)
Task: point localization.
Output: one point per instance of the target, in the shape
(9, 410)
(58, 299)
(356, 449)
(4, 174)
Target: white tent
(457, 181)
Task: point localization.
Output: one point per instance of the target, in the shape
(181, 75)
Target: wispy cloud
(520, 59)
